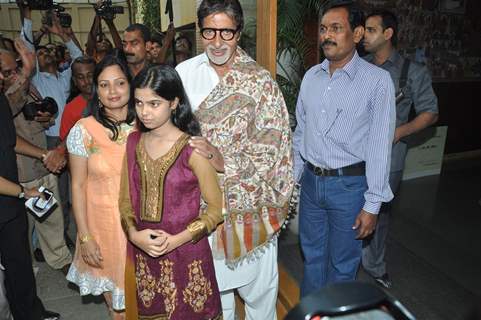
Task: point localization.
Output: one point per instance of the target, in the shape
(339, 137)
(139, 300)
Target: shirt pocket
(340, 127)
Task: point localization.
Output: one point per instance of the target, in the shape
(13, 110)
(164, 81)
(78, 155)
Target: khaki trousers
(50, 231)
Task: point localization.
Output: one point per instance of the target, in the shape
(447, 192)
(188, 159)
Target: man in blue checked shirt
(342, 147)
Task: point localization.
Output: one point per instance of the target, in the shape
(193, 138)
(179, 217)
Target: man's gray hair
(232, 8)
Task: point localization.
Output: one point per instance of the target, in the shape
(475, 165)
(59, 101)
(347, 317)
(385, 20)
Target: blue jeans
(328, 208)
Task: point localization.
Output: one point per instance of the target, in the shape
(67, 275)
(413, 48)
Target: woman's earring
(100, 105)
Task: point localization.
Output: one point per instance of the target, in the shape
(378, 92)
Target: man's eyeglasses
(225, 34)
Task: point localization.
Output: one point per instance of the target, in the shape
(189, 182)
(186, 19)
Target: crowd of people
(180, 179)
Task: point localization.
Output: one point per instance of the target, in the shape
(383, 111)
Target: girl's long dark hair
(93, 109)
(166, 83)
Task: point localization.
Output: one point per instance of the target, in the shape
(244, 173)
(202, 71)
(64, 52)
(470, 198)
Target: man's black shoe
(50, 315)
(38, 255)
(384, 281)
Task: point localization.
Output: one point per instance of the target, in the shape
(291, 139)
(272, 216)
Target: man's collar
(203, 59)
(350, 68)
(395, 58)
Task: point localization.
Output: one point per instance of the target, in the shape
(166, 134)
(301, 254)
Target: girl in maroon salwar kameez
(170, 272)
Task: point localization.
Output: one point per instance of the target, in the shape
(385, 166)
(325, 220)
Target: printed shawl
(246, 118)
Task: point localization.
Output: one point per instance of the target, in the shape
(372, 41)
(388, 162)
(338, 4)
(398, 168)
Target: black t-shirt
(8, 161)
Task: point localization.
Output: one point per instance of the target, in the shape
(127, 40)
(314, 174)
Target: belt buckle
(319, 171)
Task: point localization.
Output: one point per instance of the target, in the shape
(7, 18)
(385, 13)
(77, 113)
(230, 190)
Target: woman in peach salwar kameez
(97, 147)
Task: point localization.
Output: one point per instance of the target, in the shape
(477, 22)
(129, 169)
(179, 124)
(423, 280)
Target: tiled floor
(434, 251)
(434, 246)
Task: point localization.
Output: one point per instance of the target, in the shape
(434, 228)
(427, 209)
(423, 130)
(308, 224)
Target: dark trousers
(19, 279)
(374, 247)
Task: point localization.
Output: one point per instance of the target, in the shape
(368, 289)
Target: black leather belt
(357, 169)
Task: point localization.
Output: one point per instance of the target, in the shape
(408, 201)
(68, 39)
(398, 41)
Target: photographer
(98, 45)
(160, 45)
(32, 173)
(51, 83)
(183, 48)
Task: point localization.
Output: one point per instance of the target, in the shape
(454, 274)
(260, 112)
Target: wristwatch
(21, 195)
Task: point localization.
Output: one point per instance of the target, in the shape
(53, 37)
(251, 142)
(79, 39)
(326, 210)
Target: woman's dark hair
(232, 8)
(166, 83)
(93, 108)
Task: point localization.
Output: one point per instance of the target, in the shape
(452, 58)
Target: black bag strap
(404, 74)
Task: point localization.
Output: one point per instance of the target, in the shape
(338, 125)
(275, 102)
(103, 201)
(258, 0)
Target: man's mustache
(328, 42)
(129, 54)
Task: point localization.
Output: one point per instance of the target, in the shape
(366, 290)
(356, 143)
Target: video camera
(108, 11)
(31, 109)
(64, 18)
(39, 4)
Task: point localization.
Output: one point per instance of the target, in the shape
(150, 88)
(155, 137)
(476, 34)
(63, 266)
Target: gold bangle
(85, 238)
(197, 229)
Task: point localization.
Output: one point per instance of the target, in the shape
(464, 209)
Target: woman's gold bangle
(85, 239)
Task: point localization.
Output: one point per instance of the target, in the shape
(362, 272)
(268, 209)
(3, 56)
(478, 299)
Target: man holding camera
(32, 173)
(98, 45)
(54, 84)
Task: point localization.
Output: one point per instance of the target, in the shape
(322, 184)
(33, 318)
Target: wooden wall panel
(267, 34)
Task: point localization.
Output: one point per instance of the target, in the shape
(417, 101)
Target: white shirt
(199, 79)
(49, 85)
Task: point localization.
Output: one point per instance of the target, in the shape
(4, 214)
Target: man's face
(82, 75)
(337, 39)
(102, 44)
(9, 69)
(155, 50)
(67, 56)
(374, 36)
(220, 52)
(182, 45)
(134, 47)
(45, 57)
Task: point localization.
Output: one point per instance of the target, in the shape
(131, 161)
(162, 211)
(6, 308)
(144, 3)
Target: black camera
(31, 109)
(64, 18)
(107, 11)
(39, 4)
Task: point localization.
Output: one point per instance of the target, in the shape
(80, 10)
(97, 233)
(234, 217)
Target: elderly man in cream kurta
(246, 137)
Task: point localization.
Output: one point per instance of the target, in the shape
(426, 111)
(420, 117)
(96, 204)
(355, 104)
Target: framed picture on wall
(453, 6)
